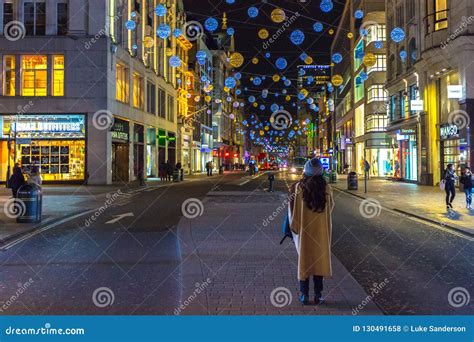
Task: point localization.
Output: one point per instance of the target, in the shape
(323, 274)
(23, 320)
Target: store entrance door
(120, 162)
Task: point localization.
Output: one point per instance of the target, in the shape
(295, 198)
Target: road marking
(251, 179)
(119, 217)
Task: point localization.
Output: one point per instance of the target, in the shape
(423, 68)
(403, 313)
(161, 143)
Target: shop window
(170, 116)
(359, 88)
(161, 103)
(58, 75)
(359, 121)
(7, 13)
(34, 75)
(138, 91)
(9, 71)
(122, 83)
(376, 93)
(62, 19)
(358, 55)
(393, 108)
(380, 64)
(35, 18)
(413, 95)
(376, 33)
(151, 98)
(441, 14)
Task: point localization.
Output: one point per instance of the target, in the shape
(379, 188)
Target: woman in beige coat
(310, 221)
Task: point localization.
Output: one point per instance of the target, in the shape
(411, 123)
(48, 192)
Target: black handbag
(286, 229)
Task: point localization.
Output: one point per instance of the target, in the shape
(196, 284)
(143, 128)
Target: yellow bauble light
(288, 98)
(350, 35)
(337, 80)
(276, 78)
(369, 60)
(148, 42)
(263, 34)
(236, 59)
(255, 60)
(267, 128)
(255, 104)
(308, 60)
(226, 89)
(262, 133)
(278, 15)
(207, 98)
(304, 92)
(331, 31)
(169, 52)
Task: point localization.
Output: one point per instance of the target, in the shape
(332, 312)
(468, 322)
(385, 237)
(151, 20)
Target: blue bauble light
(175, 61)
(230, 2)
(326, 6)
(252, 12)
(262, 107)
(230, 31)
(359, 14)
(177, 33)
(160, 10)
(364, 77)
(257, 81)
(163, 31)
(336, 58)
(252, 99)
(359, 54)
(230, 82)
(267, 55)
(297, 37)
(287, 83)
(281, 63)
(274, 107)
(238, 76)
(378, 44)
(130, 25)
(211, 24)
(318, 27)
(397, 35)
(201, 54)
(403, 54)
(238, 91)
(303, 56)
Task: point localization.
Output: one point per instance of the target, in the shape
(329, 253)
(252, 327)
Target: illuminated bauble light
(177, 33)
(364, 76)
(359, 54)
(163, 31)
(278, 15)
(252, 12)
(160, 10)
(230, 1)
(148, 42)
(252, 99)
(230, 31)
(267, 55)
(230, 82)
(359, 14)
(228, 99)
(208, 98)
(288, 98)
(257, 81)
(287, 83)
(310, 101)
(318, 27)
(208, 88)
(130, 25)
(336, 58)
(255, 104)
(337, 80)
(297, 37)
(203, 78)
(201, 54)
(236, 59)
(403, 54)
(238, 91)
(226, 89)
(397, 35)
(369, 60)
(276, 78)
(308, 60)
(331, 32)
(211, 24)
(281, 63)
(284, 91)
(262, 133)
(326, 6)
(255, 60)
(169, 52)
(263, 34)
(133, 14)
(262, 107)
(264, 93)
(175, 61)
(197, 98)
(274, 107)
(303, 56)
(350, 35)
(378, 45)
(134, 47)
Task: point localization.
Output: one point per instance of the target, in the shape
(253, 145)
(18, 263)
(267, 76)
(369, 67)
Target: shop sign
(448, 131)
(121, 130)
(416, 105)
(401, 137)
(455, 91)
(38, 126)
(406, 131)
(325, 161)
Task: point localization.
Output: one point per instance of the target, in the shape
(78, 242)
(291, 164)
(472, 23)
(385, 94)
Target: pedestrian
(271, 179)
(169, 171)
(17, 180)
(211, 166)
(467, 183)
(310, 219)
(449, 180)
(161, 171)
(34, 176)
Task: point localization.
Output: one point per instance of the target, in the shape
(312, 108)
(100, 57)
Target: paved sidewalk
(232, 262)
(425, 202)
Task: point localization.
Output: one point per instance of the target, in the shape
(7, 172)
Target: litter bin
(333, 177)
(176, 175)
(30, 201)
(352, 181)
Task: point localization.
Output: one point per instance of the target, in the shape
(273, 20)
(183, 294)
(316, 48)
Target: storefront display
(55, 143)
(454, 147)
(120, 150)
(406, 152)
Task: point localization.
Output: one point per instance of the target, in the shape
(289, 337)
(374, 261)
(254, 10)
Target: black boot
(304, 289)
(318, 289)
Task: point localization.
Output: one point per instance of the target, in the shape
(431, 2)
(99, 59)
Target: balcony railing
(436, 21)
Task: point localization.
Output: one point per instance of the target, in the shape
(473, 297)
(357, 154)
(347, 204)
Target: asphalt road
(413, 265)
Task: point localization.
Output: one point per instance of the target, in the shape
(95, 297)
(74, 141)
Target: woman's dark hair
(314, 192)
(449, 166)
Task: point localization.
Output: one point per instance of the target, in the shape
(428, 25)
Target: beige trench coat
(314, 232)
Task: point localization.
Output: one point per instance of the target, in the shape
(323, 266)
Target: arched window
(412, 52)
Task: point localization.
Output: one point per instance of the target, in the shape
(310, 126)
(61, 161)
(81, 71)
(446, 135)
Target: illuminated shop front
(454, 147)
(120, 150)
(405, 151)
(54, 142)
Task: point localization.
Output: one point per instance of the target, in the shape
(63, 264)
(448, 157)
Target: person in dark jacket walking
(16, 180)
(169, 171)
(449, 178)
(271, 179)
(468, 183)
